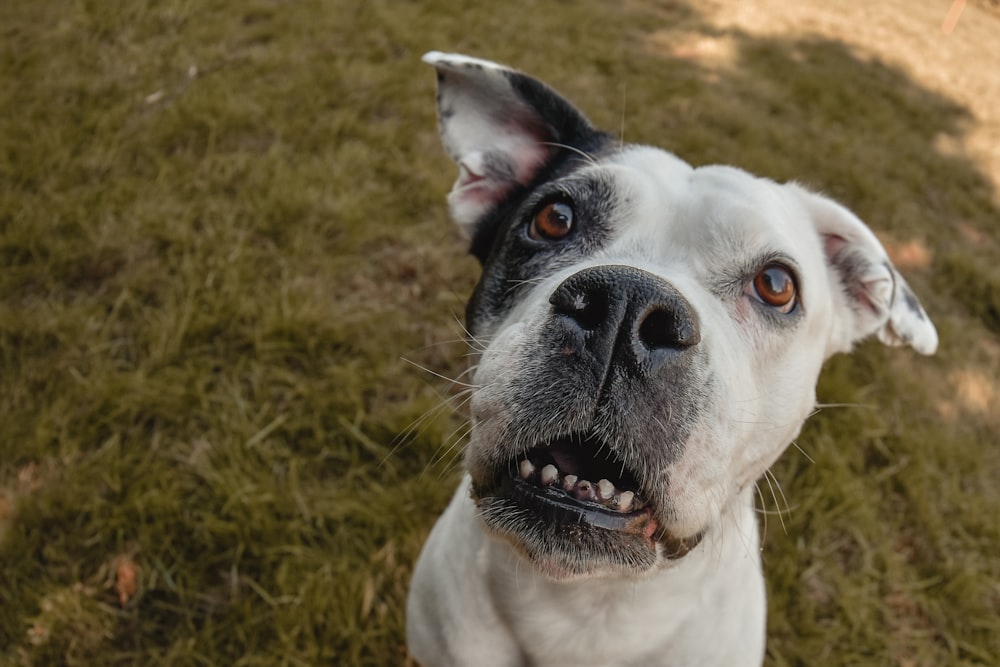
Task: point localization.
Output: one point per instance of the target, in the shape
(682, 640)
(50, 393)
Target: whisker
(734, 511)
(768, 512)
(803, 452)
(587, 156)
(781, 518)
(473, 341)
(763, 511)
(442, 343)
(844, 405)
(471, 369)
(451, 469)
(781, 490)
(454, 439)
(443, 404)
(417, 424)
(439, 375)
(514, 284)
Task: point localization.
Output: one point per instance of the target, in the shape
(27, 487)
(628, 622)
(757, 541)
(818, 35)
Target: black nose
(622, 315)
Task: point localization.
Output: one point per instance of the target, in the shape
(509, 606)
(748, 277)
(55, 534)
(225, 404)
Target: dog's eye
(775, 286)
(552, 222)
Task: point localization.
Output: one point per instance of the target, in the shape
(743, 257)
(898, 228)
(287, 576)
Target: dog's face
(651, 333)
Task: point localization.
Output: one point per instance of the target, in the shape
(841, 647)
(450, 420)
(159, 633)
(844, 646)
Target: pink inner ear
(832, 244)
(528, 148)
(488, 174)
(478, 192)
(467, 177)
(868, 294)
(861, 296)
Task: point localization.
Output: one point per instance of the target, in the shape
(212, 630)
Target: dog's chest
(673, 618)
(573, 628)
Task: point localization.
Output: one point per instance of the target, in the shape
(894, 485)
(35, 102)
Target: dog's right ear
(873, 298)
(501, 127)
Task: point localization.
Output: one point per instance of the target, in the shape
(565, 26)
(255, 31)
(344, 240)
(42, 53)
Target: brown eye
(552, 222)
(775, 286)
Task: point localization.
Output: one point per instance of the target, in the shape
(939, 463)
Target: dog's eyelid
(743, 273)
(776, 259)
(561, 195)
(781, 259)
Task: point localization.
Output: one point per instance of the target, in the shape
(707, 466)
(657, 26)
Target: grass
(222, 228)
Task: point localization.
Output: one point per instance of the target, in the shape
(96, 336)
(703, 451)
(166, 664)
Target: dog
(650, 338)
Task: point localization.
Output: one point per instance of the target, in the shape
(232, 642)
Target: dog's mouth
(575, 479)
(574, 507)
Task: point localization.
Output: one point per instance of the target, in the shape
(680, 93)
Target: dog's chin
(574, 511)
(568, 550)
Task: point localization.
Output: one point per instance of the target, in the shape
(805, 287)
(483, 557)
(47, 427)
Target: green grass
(222, 227)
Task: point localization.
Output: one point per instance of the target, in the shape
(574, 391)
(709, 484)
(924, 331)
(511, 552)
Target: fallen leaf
(126, 579)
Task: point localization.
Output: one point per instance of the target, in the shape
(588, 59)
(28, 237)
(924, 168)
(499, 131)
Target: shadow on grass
(200, 356)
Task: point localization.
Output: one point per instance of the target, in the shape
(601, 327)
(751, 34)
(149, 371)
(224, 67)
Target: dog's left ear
(873, 297)
(501, 127)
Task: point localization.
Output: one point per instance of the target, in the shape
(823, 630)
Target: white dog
(653, 334)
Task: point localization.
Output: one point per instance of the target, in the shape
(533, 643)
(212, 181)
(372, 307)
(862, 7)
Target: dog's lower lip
(555, 504)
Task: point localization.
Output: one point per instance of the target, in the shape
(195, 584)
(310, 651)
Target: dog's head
(652, 332)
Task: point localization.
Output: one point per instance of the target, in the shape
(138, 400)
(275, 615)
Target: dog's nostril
(594, 311)
(588, 309)
(661, 329)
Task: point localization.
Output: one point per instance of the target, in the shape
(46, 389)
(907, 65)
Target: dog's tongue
(567, 463)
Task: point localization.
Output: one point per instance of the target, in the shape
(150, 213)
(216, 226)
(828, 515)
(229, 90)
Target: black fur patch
(510, 258)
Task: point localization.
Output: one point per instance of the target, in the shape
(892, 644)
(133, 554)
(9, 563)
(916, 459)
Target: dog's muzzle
(615, 344)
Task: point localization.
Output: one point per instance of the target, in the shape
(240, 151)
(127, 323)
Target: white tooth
(550, 474)
(569, 481)
(625, 501)
(605, 489)
(527, 469)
